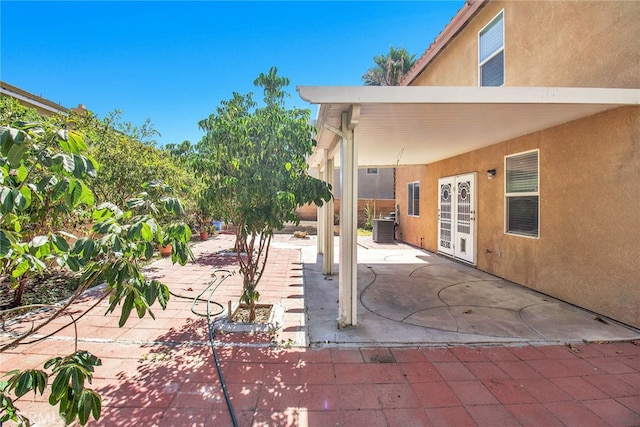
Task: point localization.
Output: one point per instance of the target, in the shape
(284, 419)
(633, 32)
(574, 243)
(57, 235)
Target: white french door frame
(457, 216)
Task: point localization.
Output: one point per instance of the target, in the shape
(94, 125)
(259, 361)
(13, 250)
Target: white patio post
(320, 212)
(328, 220)
(348, 273)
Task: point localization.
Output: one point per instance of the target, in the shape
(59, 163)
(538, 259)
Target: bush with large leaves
(44, 167)
(43, 173)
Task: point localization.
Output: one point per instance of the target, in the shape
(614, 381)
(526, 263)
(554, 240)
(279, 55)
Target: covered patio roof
(401, 125)
(422, 124)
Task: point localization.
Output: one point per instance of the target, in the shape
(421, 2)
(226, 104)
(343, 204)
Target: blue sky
(173, 62)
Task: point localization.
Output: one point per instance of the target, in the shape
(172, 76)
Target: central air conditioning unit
(384, 230)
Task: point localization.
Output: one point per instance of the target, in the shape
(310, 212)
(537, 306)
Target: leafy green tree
(183, 151)
(253, 161)
(390, 69)
(128, 157)
(43, 163)
(200, 207)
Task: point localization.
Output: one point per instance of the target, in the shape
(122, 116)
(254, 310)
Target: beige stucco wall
(550, 43)
(413, 229)
(588, 252)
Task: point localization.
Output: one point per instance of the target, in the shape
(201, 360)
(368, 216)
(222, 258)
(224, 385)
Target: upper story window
(491, 52)
(372, 171)
(413, 202)
(522, 194)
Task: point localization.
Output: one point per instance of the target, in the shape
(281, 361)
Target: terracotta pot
(165, 251)
(204, 235)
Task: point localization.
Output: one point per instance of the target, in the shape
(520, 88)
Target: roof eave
(453, 28)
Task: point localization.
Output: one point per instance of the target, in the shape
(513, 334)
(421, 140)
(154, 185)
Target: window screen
(492, 72)
(491, 53)
(522, 194)
(413, 205)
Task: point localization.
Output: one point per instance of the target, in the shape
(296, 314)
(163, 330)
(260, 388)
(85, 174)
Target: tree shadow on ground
(176, 382)
(217, 260)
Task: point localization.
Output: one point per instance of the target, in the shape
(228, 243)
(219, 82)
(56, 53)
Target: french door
(456, 216)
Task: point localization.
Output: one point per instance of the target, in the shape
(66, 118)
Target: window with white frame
(372, 171)
(413, 202)
(522, 197)
(491, 52)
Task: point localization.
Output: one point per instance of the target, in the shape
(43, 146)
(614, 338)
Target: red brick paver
(161, 373)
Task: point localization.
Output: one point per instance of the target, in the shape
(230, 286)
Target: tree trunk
(252, 311)
(17, 295)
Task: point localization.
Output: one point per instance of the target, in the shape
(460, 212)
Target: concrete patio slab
(410, 296)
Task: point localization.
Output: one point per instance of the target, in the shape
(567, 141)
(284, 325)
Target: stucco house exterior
(519, 134)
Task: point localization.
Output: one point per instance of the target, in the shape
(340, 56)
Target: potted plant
(156, 200)
(172, 242)
(205, 231)
(204, 212)
(165, 249)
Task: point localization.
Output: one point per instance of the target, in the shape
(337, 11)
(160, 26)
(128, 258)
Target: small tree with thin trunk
(253, 161)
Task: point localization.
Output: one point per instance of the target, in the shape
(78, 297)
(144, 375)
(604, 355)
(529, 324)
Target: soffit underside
(404, 134)
(422, 124)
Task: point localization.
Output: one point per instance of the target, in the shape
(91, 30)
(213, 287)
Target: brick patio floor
(161, 373)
